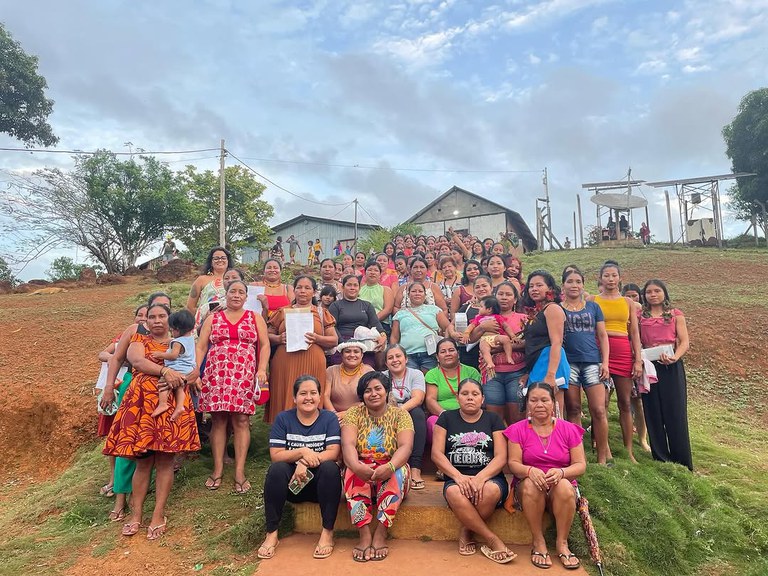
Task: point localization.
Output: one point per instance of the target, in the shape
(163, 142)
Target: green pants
(124, 467)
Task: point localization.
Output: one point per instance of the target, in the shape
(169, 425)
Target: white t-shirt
(413, 380)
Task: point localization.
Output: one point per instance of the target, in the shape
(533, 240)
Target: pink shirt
(516, 321)
(557, 453)
(657, 331)
(388, 280)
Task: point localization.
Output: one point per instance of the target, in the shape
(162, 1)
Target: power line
(86, 153)
(331, 217)
(369, 214)
(394, 169)
(281, 187)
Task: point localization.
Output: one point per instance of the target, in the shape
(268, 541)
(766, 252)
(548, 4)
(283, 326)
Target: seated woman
(376, 440)
(546, 456)
(408, 391)
(468, 446)
(341, 380)
(304, 445)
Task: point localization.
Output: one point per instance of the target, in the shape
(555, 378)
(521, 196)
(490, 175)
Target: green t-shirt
(445, 396)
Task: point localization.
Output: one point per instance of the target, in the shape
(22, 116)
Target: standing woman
(389, 250)
(624, 361)
(464, 293)
(276, 294)
(151, 441)
(449, 280)
(208, 288)
(514, 272)
(433, 273)
(418, 273)
(285, 367)
(544, 357)
(666, 405)
(584, 328)
(380, 297)
(496, 269)
(478, 251)
(235, 378)
(328, 274)
(401, 268)
(388, 277)
(633, 291)
(350, 312)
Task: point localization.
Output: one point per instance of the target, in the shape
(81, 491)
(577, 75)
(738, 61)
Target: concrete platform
(423, 516)
(294, 556)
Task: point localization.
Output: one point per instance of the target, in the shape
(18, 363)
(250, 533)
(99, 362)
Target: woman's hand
(665, 359)
(283, 338)
(310, 338)
(380, 343)
(605, 372)
(538, 478)
(637, 369)
(553, 476)
(310, 458)
(550, 379)
(263, 299)
(364, 472)
(461, 337)
(261, 376)
(172, 378)
(107, 397)
(197, 386)
(300, 474)
(490, 325)
(465, 486)
(477, 485)
(382, 473)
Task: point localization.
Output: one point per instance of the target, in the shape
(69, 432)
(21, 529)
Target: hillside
(651, 518)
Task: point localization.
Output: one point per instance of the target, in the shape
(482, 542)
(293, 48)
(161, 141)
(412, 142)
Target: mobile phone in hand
(296, 486)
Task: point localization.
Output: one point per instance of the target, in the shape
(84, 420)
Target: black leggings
(324, 488)
(419, 436)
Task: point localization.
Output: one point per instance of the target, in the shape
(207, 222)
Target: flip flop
(269, 551)
(130, 528)
(467, 548)
(241, 488)
(376, 557)
(543, 555)
(106, 490)
(360, 557)
(491, 554)
(568, 557)
(215, 483)
(117, 515)
(154, 532)
(321, 555)
(417, 484)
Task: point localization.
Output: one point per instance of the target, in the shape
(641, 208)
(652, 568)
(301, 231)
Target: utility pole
(355, 244)
(581, 227)
(669, 217)
(549, 208)
(222, 197)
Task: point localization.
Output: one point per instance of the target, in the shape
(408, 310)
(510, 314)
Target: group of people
(433, 344)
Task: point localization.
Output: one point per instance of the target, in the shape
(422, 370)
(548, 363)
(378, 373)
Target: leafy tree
(746, 139)
(113, 209)
(377, 238)
(5, 273)
(246, 213)
(64, 268)
(24, 109)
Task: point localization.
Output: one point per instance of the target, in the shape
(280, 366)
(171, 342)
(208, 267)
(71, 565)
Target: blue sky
(473, 91)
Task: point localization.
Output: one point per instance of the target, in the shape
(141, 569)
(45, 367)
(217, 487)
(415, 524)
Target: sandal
(242, 487)
(117, 515)
(130, 528)
(358, 554)
(417, 484)
(568, 557)
(544, 556)
(266, 552)
(215, 483)
(154, 532)
(317, 554)
(467, 548)
(376, 557)
(499, 556)
(106, 490)
(439, 476)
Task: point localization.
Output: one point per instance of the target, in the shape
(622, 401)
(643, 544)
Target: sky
(393, 103)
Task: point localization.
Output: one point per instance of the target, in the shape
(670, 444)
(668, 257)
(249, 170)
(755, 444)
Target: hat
(351, 344)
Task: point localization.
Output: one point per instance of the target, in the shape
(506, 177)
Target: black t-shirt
(469, 446)
(350, 314)
(469, 357)
(288, 432)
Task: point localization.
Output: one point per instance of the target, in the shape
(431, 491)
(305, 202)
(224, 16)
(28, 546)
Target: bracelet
(392, 466)
(528, 474)
(162, 372)
(562, 471)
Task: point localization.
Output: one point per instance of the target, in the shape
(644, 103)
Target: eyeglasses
(219, 259)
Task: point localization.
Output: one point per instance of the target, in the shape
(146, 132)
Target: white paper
(298, 321)
(654, 353)
(101, 382)
(460, 321)
(252, 302)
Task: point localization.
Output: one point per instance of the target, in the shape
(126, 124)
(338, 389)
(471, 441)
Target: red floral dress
(230, 369)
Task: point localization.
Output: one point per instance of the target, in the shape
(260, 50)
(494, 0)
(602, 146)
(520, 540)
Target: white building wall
(488, 226)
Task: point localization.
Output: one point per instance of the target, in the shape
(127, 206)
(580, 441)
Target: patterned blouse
(377, 436)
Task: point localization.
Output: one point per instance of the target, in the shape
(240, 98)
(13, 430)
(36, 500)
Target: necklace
(574, 308)
(544, 440)
(270, 285)
(350, 374)
(399, 386)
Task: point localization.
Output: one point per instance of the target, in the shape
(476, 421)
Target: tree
(5, 273)
(746, 139)
(64, 268)
(113, 209)
(377, 238)
(246, 213)
(24, 109)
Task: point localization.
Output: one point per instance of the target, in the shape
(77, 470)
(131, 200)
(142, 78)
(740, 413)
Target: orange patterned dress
(135, 432)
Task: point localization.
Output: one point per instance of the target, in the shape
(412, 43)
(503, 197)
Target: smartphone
(213, 306)
(296, 486)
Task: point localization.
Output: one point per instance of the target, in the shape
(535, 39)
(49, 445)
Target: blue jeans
(503, 388)
(421, 361)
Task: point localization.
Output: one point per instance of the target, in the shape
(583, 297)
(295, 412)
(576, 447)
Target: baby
(180, 357)
(504, 337)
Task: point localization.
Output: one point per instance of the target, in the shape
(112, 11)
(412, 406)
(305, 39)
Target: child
(505, 337)
(180, 356)
(310, 253)
(318, 248)
(328, 296)
(277, 250)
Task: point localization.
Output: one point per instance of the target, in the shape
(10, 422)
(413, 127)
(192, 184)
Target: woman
(347, 261)
(389, 250)
(328, 275)
(388, 277)
(433, 273)
(380, 297)
(496, 269)
(350, 313)
(235, 378)
(276, 294)
(339, 271)
(341, 380)
(503, 392)
(418, 273)
(478, 250)
(487, 245)
(449, 280)
(443, 381)
(151, 441)
(468, 446)
(546, 456)
(584, 328)
(417, 325)
(624, 360)
(464, 293)
(514, 271)
(284, 366)
(208, 288)
(498, 249)
(360, 263)
(666, 405)
(408, 391)
(401, 268)
(633, 291)
(303, 440)
(480, 289)
(544, 358)
(458, 257)
(376, 440)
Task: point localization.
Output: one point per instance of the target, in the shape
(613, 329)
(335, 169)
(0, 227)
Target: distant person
(623, 226)
(276, 251)
(168, 251)
(567, 243)
(317, 248)
(293, 246)
(337, 250)
(645, 234)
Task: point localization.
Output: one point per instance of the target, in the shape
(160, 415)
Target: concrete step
(423, 516)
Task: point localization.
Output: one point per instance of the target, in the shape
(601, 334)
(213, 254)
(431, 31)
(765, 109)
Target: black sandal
(543, 555)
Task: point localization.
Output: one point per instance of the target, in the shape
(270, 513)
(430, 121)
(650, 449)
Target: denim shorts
(503, 388)
(499, 480)
(421, 361)
(585, 374)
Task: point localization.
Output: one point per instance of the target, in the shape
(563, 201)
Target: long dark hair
(208, 266)
(464, 279)
(666, 306)
(527, 303)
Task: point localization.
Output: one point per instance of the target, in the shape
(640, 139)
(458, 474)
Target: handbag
(430, 340)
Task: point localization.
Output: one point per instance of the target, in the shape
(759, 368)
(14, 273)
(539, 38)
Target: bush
(5, 273)
(64, 268)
